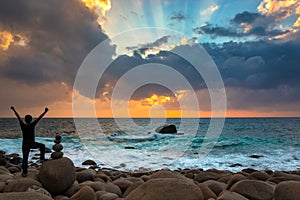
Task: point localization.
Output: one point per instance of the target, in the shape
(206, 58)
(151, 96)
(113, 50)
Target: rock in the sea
(85, 193)
(166, 129)
(166, 189)
(253, 189)
(89, 162)
(57, 175)
(24, 196)
(20, 185)
(287, 190)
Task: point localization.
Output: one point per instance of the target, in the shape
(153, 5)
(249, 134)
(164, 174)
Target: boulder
(132, 187)
(207, 193)
(166, 129)
(96, 186)
(287, 190)
(166, 189)
(167, 174)
(57, 175)
(20, 185)
(35, 188)
(260, 175)
(253, 189)
(123, 184)
(85, 193)
(108, 196)
(85, 175)
(215, 186)
(24, 196)
(235, 178)
(286, 176)
(227, 195)
(112, 188)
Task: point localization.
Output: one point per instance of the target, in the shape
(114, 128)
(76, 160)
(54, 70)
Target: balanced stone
(56, 155)
(57, 147)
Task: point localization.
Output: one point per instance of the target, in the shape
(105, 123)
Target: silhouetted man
(28, 130)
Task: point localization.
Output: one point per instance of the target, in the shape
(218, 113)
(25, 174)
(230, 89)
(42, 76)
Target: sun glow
(7, 39)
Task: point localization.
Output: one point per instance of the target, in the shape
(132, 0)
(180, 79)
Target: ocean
(259, 143)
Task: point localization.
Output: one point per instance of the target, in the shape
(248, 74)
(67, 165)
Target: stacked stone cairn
(57, 147)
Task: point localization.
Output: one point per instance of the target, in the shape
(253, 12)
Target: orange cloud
(102, 5)
(7, 39)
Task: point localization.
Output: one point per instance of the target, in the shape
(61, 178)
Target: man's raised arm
(16, 113)
(41, 116)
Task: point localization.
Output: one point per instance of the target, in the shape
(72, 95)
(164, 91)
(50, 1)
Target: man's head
(28, 118)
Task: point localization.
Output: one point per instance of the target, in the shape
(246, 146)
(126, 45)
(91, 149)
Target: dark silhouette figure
(28, 130)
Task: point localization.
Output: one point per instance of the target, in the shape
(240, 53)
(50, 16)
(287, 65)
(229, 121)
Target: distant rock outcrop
(167, 129)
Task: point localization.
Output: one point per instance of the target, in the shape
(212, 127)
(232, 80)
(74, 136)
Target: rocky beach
(59, 179)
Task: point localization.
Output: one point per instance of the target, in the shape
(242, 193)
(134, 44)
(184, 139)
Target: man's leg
(42, 149)
(25, 151)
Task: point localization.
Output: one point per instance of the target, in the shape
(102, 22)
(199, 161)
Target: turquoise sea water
(276, 141)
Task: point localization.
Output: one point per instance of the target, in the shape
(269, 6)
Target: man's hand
(46, 109)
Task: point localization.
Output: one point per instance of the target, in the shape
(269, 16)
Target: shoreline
(95, 183)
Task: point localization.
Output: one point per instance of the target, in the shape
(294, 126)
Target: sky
(254, 44)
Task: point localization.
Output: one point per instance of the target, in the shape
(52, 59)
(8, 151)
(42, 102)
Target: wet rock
(89, 162)
(255, 156)
(166, 129)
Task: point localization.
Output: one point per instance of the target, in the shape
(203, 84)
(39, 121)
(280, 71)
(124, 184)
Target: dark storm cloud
(256, 74)
(257, 25)
(236, 32)
(143, 48)
(257, 65)
(60, 35)
(178, 16)
(245, 17)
